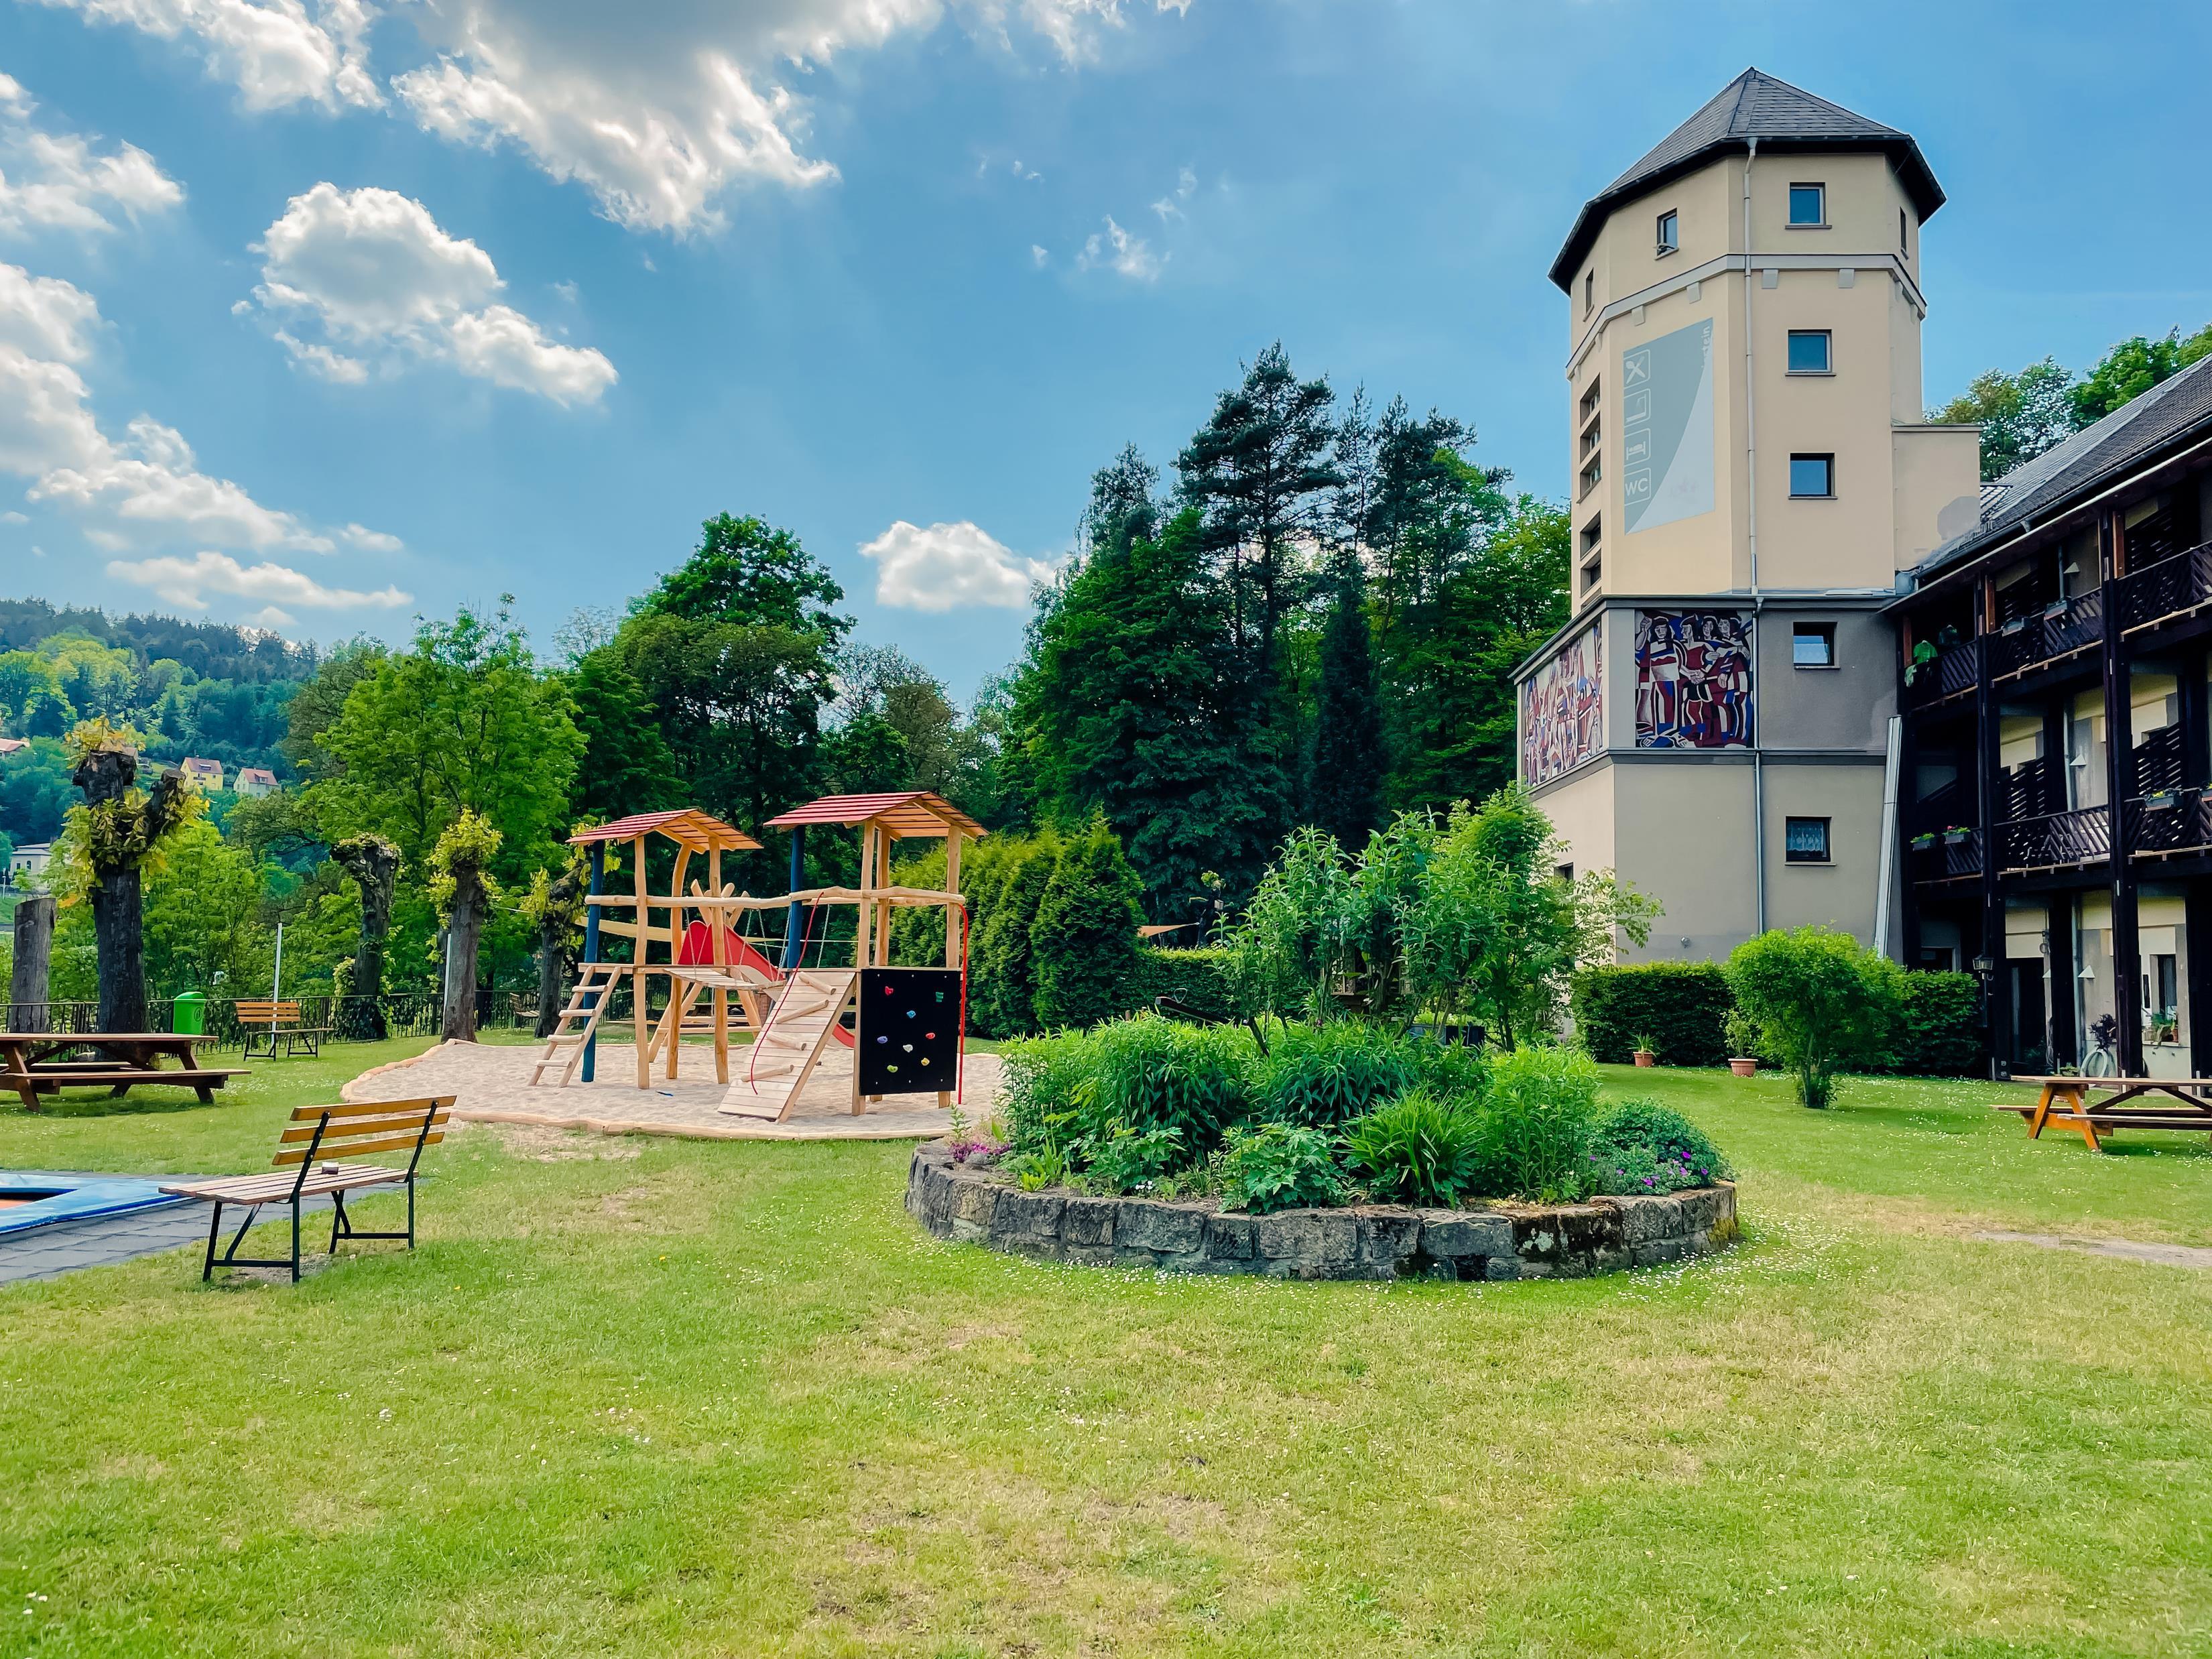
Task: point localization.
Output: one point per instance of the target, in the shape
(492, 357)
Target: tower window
(1809, 351)
(1812, 477)
(1805, 841)
(1809, 206)
(1903, 246)
(1669, 233)
(1812, 645)
(1589, 291)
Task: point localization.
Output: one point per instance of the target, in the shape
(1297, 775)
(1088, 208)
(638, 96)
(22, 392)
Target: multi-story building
(2057, 744)
(1751, 475)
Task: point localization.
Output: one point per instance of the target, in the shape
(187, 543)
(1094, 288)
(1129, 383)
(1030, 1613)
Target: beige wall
(1685, 841)
(1841, 893)
(1937, 486)
(1581, 809)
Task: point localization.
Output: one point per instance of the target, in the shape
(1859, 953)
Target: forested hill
(189, 688)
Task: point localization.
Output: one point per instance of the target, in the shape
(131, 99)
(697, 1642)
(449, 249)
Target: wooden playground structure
(905, 1025)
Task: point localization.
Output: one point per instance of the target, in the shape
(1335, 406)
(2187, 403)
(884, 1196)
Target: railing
(2055, 840)
(2158, 760)
(1947, 856)
(2060, 627)
(2170, 821)
(1944, 675)
(2030, 789)
(2179, 583)
(1940, 808)
(406, 1014)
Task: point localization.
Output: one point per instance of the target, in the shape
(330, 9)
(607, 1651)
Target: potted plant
(1742, 1038)
(1647, 1051)
(1922, 841)
(1956, 836)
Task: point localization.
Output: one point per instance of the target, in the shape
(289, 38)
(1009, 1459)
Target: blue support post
(794, 935)
(598, 884)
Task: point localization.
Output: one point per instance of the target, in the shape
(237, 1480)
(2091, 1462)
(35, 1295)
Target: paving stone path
(2164, 1255)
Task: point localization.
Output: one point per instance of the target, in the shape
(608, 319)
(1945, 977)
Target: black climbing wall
(909, 1036)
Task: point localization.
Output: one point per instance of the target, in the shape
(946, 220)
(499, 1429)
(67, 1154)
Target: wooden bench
(324, 1133)
(275, 1021)
(2175, 1104)
(127, 1060)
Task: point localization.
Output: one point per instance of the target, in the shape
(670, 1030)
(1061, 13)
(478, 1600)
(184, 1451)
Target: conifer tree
(1002, 988)
(1085, 938)
(1345, 787)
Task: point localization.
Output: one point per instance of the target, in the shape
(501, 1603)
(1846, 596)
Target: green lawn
(644, 1396)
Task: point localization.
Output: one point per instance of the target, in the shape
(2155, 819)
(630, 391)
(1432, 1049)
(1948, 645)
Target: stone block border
(1367, 1240)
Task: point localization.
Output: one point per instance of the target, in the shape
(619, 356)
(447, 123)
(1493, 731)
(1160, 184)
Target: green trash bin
(190, 1015)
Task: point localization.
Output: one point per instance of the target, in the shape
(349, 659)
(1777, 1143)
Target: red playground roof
(912, 812)
(687, 826)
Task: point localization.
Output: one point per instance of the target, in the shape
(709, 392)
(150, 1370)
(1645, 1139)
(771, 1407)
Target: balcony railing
(2170, 821)
(2172, 587)
(2059, 629)
(2055, 840)
(1947, 856)
(1944, 675)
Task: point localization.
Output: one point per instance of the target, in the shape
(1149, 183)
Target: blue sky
(327, 312)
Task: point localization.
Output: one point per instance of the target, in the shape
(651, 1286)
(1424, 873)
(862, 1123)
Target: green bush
(1126, 1160)
(1683, 1004)
(1155, 1073)
(1278, 1166)
(1823, 1003)
(1938, 1028)
(1325, 1075)
(1641, 1146)
(1084, 943)
(1448, 1068)
(1002, 973)
(1198, 978)
(1048, 1083)
(1536, 1122)
(1419, 1149)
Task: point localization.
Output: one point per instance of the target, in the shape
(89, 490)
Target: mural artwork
(1563, 710)
(1692, 680)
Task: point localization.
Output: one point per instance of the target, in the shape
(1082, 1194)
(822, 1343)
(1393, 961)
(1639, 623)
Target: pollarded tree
(110, 840)
(462, 888)
(555, 906)
(373, 864)
(1085, 938)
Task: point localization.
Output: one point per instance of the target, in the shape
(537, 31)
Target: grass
(655, 1397)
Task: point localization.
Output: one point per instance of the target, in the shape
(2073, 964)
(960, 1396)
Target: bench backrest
(265, 1013)
(362, 1127)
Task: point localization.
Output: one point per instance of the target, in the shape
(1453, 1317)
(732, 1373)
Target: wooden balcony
(1947, 674)
(2166, 822)
(1948, 857)
(2173, 590)
(2055, 840)
(2063, 629)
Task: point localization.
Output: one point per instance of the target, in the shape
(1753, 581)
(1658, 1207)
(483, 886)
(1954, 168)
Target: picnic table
(2123, 1102)
(127, 1060)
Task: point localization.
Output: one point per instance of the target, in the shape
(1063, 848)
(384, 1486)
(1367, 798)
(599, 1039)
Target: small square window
(1808, 205)
(1809, 352)
(1805, 841)
(1813, 477)
(1812, 645)
(1669, 233)
(1566, 872)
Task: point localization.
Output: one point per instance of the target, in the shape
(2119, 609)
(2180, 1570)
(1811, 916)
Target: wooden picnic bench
(128, 1060)
(324, 1133)
(272, 1021)
(2173, 1103)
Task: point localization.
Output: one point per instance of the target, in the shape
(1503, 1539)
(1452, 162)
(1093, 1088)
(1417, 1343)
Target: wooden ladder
(566, 1046)
(804, 1023)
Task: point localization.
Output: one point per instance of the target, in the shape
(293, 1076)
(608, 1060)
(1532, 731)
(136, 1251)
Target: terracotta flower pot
(1742, 1067)
(1646, 1057)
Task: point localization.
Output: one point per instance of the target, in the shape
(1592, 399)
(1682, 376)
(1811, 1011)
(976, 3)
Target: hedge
(1940, 1033)
(1680, 1006)
(1198, 978)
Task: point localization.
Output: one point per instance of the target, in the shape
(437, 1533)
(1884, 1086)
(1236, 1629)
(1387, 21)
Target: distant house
(9, 745)
(206, 774)
(26, 865)
(255, 781)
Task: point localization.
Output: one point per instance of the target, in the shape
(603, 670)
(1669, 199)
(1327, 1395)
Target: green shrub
(1048, 1083)
(1126, 1160)
(1448, 1068)
(1938, 1028)
(1823, 1003)
(1536, 1122)
(1084, 943)
(1419, 1149)
(1641, 1146)
(1325, 1075)
(1002, 975)
(1198, 978)
(1684, 1006)
(1155, 1073)
(1278, 1166)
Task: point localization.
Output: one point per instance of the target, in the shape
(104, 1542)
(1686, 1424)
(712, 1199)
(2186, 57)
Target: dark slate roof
(1753, 106)
(2170, 414)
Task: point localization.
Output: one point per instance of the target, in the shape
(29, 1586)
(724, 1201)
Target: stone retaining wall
(1368, 1241)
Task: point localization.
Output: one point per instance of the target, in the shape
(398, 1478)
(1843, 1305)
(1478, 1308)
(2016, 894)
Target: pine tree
(1085, 938)
(1345, 787)
(1002, 987)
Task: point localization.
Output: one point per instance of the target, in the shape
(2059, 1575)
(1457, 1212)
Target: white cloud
(277, 52)
(145, 486)
(949, 566)
(53, 181)
(370, 541)
(188, 583)
(1170, 207)
(1126, 255)
(1038, 256)
(14, 518)
(371, 270)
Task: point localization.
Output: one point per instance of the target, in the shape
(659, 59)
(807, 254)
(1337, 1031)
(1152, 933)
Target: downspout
(1751, 530)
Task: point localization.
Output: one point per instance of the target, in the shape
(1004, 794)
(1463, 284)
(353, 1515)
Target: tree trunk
(29, 988)
(373, 863)
(549, 945)
(118, 930)
(461, 934)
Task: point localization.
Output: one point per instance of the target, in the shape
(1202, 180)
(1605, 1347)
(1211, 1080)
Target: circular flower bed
(1495, 1241)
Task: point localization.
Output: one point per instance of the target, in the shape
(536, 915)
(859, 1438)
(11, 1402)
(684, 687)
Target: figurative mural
(1563, 710)
(1692, 680)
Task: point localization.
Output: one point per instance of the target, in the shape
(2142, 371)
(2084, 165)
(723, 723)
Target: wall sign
(1667, 427)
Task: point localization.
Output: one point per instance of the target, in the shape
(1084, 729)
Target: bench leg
(296, 1241)
(214, 1229)
(337, 1219)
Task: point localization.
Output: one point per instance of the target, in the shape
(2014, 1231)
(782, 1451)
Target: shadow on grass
(83, 1104)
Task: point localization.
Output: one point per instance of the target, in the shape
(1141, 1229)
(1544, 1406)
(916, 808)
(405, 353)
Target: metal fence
(347, 1019)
